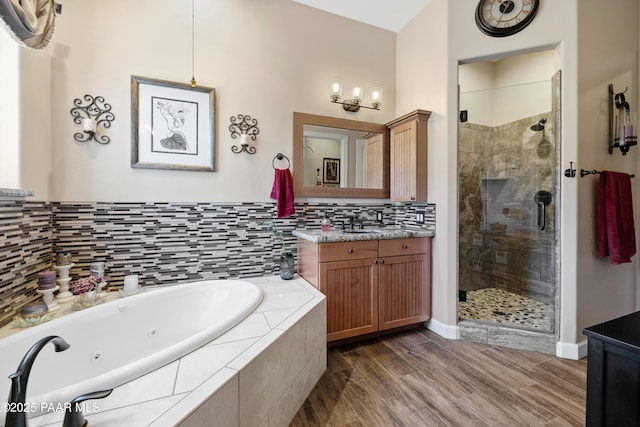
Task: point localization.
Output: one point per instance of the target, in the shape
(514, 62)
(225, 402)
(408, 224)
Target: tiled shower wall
(501, 169)
(164, 243)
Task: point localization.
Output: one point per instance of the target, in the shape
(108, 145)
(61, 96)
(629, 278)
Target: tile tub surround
(161, 242)
(25, 251)
(258, 373)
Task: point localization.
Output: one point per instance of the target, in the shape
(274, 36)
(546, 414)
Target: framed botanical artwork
(331, 171)
(172, 125)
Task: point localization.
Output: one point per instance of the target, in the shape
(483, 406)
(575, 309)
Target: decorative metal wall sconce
(353, 105)
(246, 128)
(621, 125)
(90, 114)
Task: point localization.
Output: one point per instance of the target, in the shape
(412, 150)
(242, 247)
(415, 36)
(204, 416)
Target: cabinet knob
(376, 262)
(405, 246)
(413, 197)
(381, 261)
(350, 251)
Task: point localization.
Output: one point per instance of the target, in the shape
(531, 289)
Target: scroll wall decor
(91, 113)
(246, 128)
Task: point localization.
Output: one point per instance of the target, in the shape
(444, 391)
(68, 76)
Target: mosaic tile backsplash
(164, 243)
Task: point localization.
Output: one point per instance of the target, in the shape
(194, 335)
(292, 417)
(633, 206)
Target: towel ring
(280, 156)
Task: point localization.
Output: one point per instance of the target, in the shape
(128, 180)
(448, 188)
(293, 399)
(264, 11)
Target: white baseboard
(571, 351)
(446, 331)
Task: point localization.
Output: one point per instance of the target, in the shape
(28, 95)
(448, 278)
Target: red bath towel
(616, 232)
(282, 193)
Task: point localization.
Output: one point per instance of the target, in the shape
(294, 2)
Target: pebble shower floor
(499, 306)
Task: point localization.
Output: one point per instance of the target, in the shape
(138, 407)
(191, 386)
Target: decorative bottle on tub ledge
(287, 266)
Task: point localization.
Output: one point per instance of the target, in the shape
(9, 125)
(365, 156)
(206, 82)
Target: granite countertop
(319, 236)
(11, 192)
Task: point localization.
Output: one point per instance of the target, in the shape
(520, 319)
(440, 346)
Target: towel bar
(584, 172)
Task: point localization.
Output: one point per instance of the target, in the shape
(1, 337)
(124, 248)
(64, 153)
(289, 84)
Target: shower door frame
(552, 334)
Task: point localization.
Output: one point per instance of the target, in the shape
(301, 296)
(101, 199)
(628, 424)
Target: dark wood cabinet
(613, 372)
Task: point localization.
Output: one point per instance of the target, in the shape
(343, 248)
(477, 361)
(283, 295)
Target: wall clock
(501, 18)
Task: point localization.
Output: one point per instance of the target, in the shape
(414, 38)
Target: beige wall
(591, 290)
(9, 123)
(423, 82)
(266, 59)
(25, 119)
(271, 58)
(506, 90)
(604, 291)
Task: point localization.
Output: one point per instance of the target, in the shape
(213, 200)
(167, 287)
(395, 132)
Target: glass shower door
(508, 186)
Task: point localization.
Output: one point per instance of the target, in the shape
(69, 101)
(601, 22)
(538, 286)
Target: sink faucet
(352, 221)
(355, 219)
(18, 393)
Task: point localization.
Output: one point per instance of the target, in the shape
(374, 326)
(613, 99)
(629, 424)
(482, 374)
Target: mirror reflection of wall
(358, 157)
(319, 146)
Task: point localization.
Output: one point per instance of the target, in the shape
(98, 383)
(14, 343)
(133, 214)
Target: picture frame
(172, 125)
(331, 171)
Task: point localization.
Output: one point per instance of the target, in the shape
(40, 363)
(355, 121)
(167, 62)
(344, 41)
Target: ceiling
(391, 15)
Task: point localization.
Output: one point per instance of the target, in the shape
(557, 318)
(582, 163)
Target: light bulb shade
(357, 92)
(336, 89)
(376, 97)
(376, 94)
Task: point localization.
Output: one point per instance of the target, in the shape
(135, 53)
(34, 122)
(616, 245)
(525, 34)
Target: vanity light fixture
(244, 127)
(353, 105)
(90, 114)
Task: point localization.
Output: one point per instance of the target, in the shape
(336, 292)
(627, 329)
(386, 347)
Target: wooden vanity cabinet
(404, 282)
(348, 276)
(408, 167)
(370, 285)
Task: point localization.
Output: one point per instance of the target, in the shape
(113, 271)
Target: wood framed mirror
(336, 157)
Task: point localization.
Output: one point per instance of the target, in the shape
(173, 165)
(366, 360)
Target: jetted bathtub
(120, 340)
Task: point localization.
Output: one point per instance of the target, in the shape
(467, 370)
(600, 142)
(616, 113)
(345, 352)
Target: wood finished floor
(417, 378)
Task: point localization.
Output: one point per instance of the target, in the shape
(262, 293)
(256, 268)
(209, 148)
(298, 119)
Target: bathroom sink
(361, 231)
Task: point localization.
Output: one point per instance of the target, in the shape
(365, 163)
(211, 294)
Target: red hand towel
(282, 193)
(616, 231)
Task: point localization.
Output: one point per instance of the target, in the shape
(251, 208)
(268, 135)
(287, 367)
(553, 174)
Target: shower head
(539, 126)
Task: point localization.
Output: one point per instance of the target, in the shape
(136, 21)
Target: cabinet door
(405, 290)
(351, 288)
(403, 162)
(373, 158)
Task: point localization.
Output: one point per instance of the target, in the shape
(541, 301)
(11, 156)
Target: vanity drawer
(344, 251)
(410, 246)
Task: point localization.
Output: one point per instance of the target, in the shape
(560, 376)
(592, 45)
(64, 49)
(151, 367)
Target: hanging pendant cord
(193, 43)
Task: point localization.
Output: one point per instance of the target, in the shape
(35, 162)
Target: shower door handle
(542, 198)
(541, 216)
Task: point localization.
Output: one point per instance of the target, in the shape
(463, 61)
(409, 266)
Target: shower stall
(508, 214)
